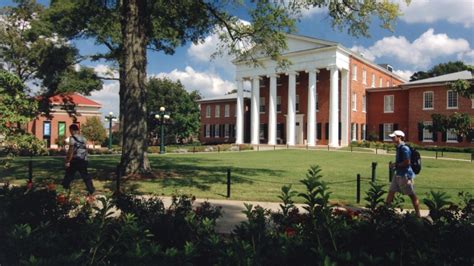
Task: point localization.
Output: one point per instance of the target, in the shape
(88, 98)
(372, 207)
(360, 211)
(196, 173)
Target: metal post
(218, 149)
(358, 189)
(442, 153)
(351, 147)
(376, 150)
(328, 147)
(228, 182)
(110, 133)
(162, 142)
(30, 169)
(374, 166)
(472, 156)
(436, 154)
(390, 172)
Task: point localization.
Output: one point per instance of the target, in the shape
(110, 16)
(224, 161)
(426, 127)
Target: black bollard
(436, 155)
(228, 183)
(374, 166)
(358, 189)
(30, 170)
(390, 172)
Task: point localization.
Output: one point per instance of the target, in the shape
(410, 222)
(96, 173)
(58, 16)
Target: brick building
(65, 109)
(319, 99)
(406, 106)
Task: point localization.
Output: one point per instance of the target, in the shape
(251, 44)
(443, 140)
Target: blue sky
(429, 32)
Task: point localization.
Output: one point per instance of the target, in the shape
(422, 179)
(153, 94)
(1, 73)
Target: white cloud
(208, 84)
(106, 71)
(108, 97)
(467, 57)
(429, 11)
(418, 53)
(405, 74)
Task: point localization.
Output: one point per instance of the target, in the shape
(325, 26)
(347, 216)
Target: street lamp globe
(157, 116)
(166, 117)
(111, 113)
(162, 109)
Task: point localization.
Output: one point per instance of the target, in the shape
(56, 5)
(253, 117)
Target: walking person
(76, 161)
(403, 181)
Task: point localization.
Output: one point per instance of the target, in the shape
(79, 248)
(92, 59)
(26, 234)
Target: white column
(255, 111)
(272, 110)
(333, 107)
(290, 116)
(345, 107)
(239, 127)
(311, 123)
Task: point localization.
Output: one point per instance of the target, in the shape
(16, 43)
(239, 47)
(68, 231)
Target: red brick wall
(417, 114)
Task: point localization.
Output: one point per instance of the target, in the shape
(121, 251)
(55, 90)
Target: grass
(257, 175)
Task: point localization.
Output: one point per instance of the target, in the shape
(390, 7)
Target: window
(297, 107)
(388, 84)
(354, 72)
(279, 104)
(428, 100)
(452, 99)
(364, 77)
(208, 131)
(451, 136)
(364, 103)
(261, 131)
(279, 81)
(218, 111)
(381, 82)
(226, 130)
(353, 132)
(427, 134)
(373, 80)
(227, 110)
(354, 102)
(208, 111)
(364, 132)
(388, 103)
(262, 104)
(317, 104)
(61, 129)
(387, 130)
(216, 131)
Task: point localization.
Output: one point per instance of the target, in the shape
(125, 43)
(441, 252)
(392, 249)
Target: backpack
(415, 160)
(80, 148)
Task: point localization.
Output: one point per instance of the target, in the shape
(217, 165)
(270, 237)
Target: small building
(65, 109)
(218, 118)
(410, 104)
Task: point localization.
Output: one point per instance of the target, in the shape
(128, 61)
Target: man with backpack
(76, 160)
(404, 176)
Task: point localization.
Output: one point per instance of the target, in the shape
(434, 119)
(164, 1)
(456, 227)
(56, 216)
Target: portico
(310, 57)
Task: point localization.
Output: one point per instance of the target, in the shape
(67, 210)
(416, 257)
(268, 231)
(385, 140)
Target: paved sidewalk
(232, 214)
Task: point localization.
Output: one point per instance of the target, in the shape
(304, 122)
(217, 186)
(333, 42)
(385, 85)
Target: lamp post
(110, 117)
(162, 116)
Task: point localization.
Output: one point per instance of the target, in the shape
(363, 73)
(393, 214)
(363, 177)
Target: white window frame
(373, 80)
(353, 131)
(278, 104)
(208, 111)
(262, 105)
(226, 131)
(227, 110)
(297, 103)
(427, 135)
(388, 105)
(217, 111)
(364, 131)
(447, 99)
(387, 130)
(354, 101)
(388, 83)
(364, 77)
(217, 131)
(381, 82)
(364, 103)
(208, 130)
(451, 137)
(425, 95)
(354, 72)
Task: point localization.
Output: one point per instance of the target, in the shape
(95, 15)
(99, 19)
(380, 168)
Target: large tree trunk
(133, 94)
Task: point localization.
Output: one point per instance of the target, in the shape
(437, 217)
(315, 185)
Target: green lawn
(258, 175)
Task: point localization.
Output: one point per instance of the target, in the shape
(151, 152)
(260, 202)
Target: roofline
(397, 88)
(436, 83)
(219, 100)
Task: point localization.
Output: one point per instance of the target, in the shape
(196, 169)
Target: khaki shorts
(403, 185)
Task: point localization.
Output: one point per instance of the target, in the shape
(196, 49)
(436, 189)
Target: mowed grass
(259, 175)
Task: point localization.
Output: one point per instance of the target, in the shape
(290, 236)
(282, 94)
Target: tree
(16, 110)
(93, 130)
(34, 53)
(129, 27)
(459, 123)
(442, 69)
(181, 105)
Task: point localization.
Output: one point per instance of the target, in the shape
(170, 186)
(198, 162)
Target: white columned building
(292, 116)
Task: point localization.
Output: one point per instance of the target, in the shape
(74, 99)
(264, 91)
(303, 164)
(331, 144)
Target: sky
(428, 33)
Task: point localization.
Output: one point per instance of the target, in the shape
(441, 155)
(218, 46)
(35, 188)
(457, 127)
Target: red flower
(290, 232)
(61, 199)
(51, 187)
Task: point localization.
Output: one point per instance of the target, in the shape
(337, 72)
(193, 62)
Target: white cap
(398, 133)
